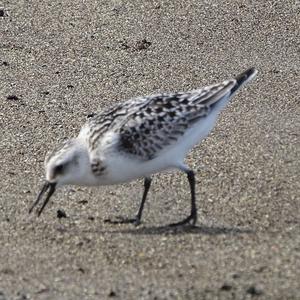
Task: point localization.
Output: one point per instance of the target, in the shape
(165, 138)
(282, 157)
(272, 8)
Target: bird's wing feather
(164, 118)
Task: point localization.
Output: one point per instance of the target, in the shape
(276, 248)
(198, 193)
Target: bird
(137, 139)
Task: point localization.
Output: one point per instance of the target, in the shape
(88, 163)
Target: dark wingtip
(243, 78)
(240, 79)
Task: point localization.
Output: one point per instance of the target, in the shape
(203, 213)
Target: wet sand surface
(61, 61)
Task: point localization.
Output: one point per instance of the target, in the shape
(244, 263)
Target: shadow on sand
(157, 230)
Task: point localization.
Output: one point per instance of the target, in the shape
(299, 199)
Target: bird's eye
(58, 169)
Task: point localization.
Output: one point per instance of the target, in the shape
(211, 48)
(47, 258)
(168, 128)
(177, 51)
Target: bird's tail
(243, 79)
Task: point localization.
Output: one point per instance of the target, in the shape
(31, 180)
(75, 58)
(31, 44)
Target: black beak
(47, 186)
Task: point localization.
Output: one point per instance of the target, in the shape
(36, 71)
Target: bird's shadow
(181, 230)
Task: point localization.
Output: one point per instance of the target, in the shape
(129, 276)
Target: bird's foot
(190, 221)
(123, 220)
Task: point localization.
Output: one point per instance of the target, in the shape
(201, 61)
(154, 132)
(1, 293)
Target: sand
(61, 61)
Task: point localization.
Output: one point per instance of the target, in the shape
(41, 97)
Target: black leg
(147, 184)
(192, 218)
(137, 220)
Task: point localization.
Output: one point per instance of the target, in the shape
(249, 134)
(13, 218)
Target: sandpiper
(139, 138)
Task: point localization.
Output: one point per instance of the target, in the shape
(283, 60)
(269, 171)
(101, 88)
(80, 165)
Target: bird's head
(66, 164)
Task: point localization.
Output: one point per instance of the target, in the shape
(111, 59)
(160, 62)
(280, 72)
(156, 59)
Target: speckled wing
(111, 119)
(164, 118)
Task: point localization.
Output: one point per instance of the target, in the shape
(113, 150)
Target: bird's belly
(121, 169)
